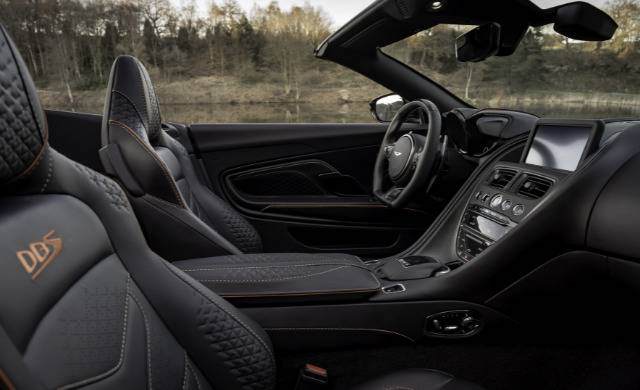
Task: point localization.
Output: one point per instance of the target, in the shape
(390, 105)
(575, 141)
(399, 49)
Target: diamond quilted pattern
(110, 188)
(20, 136)
(246, 238)
(242, 353)
(123, 111)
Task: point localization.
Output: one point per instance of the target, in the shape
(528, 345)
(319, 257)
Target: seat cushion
(418, 379)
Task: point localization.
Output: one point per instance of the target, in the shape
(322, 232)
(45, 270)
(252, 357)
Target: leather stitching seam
(184, 223)
(271, 280)
(195, 375)
(186, 371)
(283, 265)
(49, 174)
(148, 335)
(329, 329)
(247, 328)
(155, 158)
(122, 346)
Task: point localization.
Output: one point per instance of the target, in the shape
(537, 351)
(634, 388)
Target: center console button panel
(480, 228)
(497, 205)
(455, 323)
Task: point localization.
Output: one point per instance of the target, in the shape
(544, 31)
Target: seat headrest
(23, 126)
(131, 99)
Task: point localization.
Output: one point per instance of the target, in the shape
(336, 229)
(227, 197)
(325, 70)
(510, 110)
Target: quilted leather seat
(168, 196)
(84, 302)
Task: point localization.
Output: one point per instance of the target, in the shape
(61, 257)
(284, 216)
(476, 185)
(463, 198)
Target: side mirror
(385, 107)
(478, 44)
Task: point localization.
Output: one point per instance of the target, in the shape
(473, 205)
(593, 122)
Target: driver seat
(167, 194)
(85, 303)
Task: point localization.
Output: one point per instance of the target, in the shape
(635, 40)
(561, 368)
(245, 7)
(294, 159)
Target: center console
(511, 191)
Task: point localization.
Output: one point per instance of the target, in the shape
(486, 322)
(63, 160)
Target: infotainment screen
(559, 146)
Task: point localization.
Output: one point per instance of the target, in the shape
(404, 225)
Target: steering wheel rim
(419, 164)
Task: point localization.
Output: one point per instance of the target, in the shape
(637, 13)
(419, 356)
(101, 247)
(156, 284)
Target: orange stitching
(5, 379)
(151, 153)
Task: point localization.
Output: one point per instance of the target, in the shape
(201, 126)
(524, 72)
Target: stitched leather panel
(206, 205)
(56, 229)
(191, 201)
(21, 136)
(242, 354)
(154, 120)
(111, 189)
(82, 337)
(243, 235)
(258, 259)
(123, 111)
(132, 98)
(273, 277)
(165, 357)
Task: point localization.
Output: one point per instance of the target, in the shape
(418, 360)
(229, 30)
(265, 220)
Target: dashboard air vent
(501, 178)
(535, 187)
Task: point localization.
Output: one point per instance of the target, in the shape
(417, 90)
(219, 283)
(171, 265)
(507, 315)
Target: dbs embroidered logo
(40, 254)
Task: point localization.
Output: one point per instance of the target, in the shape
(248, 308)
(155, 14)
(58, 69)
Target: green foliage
(72, 43)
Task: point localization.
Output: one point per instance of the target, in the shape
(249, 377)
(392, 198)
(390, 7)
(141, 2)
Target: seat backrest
(84, 302)
(158, 173)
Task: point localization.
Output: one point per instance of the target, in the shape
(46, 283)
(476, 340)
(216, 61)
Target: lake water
(336, 113)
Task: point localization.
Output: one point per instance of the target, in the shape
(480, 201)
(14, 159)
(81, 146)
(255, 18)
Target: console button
(485, 197)
(518, 209)
(455, 323)
(496, 201)
(506, 205)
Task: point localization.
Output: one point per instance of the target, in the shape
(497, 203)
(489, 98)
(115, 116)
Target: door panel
(306, 187)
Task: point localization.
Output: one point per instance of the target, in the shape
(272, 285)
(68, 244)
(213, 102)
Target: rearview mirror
(584, 22)
(478, 44)
(385, 107)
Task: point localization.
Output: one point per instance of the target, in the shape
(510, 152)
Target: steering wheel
(406, 162)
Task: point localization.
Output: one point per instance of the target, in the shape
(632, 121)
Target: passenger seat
(85, 303)
(169, 198)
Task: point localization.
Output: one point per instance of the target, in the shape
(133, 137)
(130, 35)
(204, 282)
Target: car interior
(442, 247)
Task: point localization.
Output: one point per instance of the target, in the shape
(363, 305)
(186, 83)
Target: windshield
(552, 3)
(548, 75)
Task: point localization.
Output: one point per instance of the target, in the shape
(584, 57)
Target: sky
(340, 11)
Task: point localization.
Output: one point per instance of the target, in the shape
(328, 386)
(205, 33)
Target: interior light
(436, 5)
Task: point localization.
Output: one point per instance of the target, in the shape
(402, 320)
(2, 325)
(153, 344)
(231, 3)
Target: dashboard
(537, 192)
(554, 149)
(544, 230)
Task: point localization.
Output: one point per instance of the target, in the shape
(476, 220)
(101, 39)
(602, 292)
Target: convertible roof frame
(357, 44)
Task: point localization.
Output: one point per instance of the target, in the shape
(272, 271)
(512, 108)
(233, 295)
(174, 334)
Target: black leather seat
(172, 203)
(84, 302)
